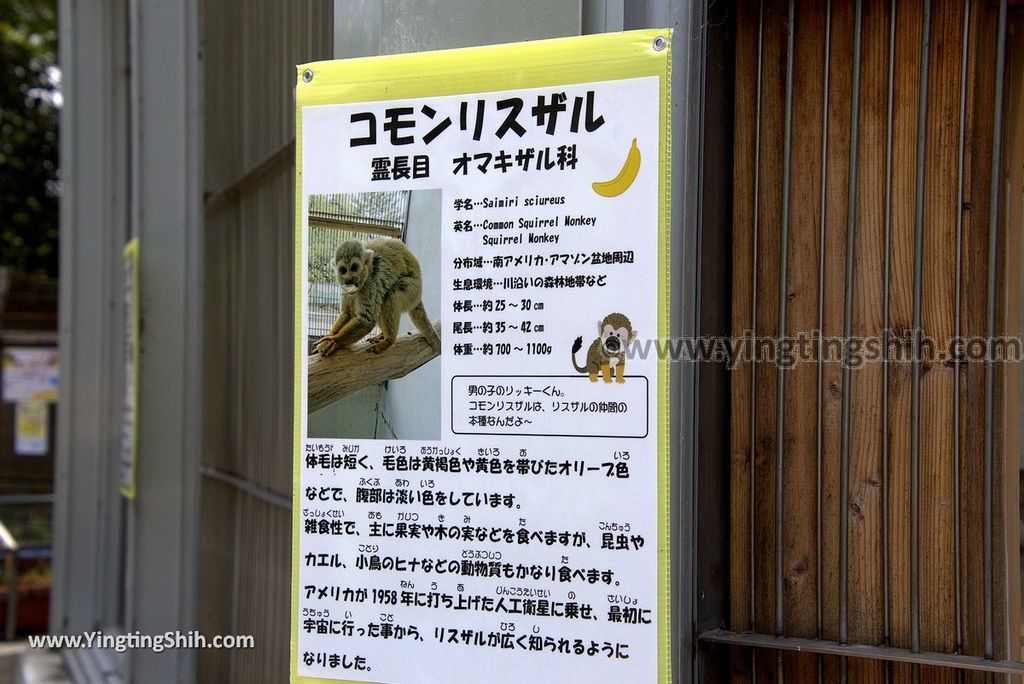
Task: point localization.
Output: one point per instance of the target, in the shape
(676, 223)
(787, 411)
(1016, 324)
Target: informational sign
(30, 374)
(482, 244)
(130, 341)
(31, 428)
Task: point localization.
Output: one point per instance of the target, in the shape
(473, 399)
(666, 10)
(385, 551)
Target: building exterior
(178, 129)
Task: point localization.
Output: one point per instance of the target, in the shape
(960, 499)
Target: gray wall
(249, 50)
(357, 416)
(371, 27)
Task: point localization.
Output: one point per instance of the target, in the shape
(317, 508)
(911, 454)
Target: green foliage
(29, 107)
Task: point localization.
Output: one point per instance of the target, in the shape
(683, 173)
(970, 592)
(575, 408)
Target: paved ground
(21, 665)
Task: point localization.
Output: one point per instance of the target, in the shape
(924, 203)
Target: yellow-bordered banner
(481, 449)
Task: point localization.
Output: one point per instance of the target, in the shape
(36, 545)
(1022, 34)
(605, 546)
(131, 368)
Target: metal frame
(699, 593)
(246, 486)
(167, 217)
(88, 513)
(886, 653)
(94, 217)
(915, 372)
(112, 169)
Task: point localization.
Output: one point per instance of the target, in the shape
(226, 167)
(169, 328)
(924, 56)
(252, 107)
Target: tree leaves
(29, 109)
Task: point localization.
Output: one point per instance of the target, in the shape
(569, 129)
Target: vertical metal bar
(915, 387)
(851, 235)
(780, 413)
(886, 267)
(956, 327)
(819, 421)
(819, 444)
(236, 580)
(11, 574)
(754, 310)
(9, 547)
(753, 328)
(990, 324)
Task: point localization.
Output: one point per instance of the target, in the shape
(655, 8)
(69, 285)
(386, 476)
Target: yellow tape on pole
(132, 322)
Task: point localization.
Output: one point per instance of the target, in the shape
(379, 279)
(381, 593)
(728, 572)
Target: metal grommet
(307, 75)
(659, 43)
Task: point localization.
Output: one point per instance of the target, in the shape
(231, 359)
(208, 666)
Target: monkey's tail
(419, 318)
(576, 346)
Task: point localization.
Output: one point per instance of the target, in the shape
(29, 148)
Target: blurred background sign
(30, 374)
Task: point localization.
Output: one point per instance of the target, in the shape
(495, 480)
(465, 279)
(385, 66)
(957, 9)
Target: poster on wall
(31, 428)
(30, 374)
(481, 453)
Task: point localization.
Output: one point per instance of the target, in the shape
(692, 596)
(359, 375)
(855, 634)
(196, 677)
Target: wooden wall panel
(880, 401)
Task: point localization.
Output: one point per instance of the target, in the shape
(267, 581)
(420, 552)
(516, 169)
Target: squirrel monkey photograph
(372, 280)
(379, 282)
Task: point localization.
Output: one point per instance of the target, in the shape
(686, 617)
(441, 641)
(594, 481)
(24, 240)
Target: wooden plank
(767, 279)
(938, 582)
(866, 524)
(905, 94)
(744, 245)
(1013, 373)
(743, 262)
(800, 477)
(836, 198)
(975, 249)
(800, 487)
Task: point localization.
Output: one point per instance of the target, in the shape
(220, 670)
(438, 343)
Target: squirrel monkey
(378, 282)
(607, 353)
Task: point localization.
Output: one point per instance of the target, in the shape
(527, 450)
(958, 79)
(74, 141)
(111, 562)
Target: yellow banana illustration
(618, 185)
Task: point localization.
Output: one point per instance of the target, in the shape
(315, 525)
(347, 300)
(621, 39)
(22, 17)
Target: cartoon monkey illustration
(607, 354)
(378, 283)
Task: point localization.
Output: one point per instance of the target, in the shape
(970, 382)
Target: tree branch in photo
(345, 371)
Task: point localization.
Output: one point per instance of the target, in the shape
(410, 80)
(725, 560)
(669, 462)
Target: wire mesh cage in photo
(333, 219)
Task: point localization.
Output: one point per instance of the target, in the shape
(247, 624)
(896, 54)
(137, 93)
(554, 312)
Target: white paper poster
(31, 428)
(496, 511)
(30, 374)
